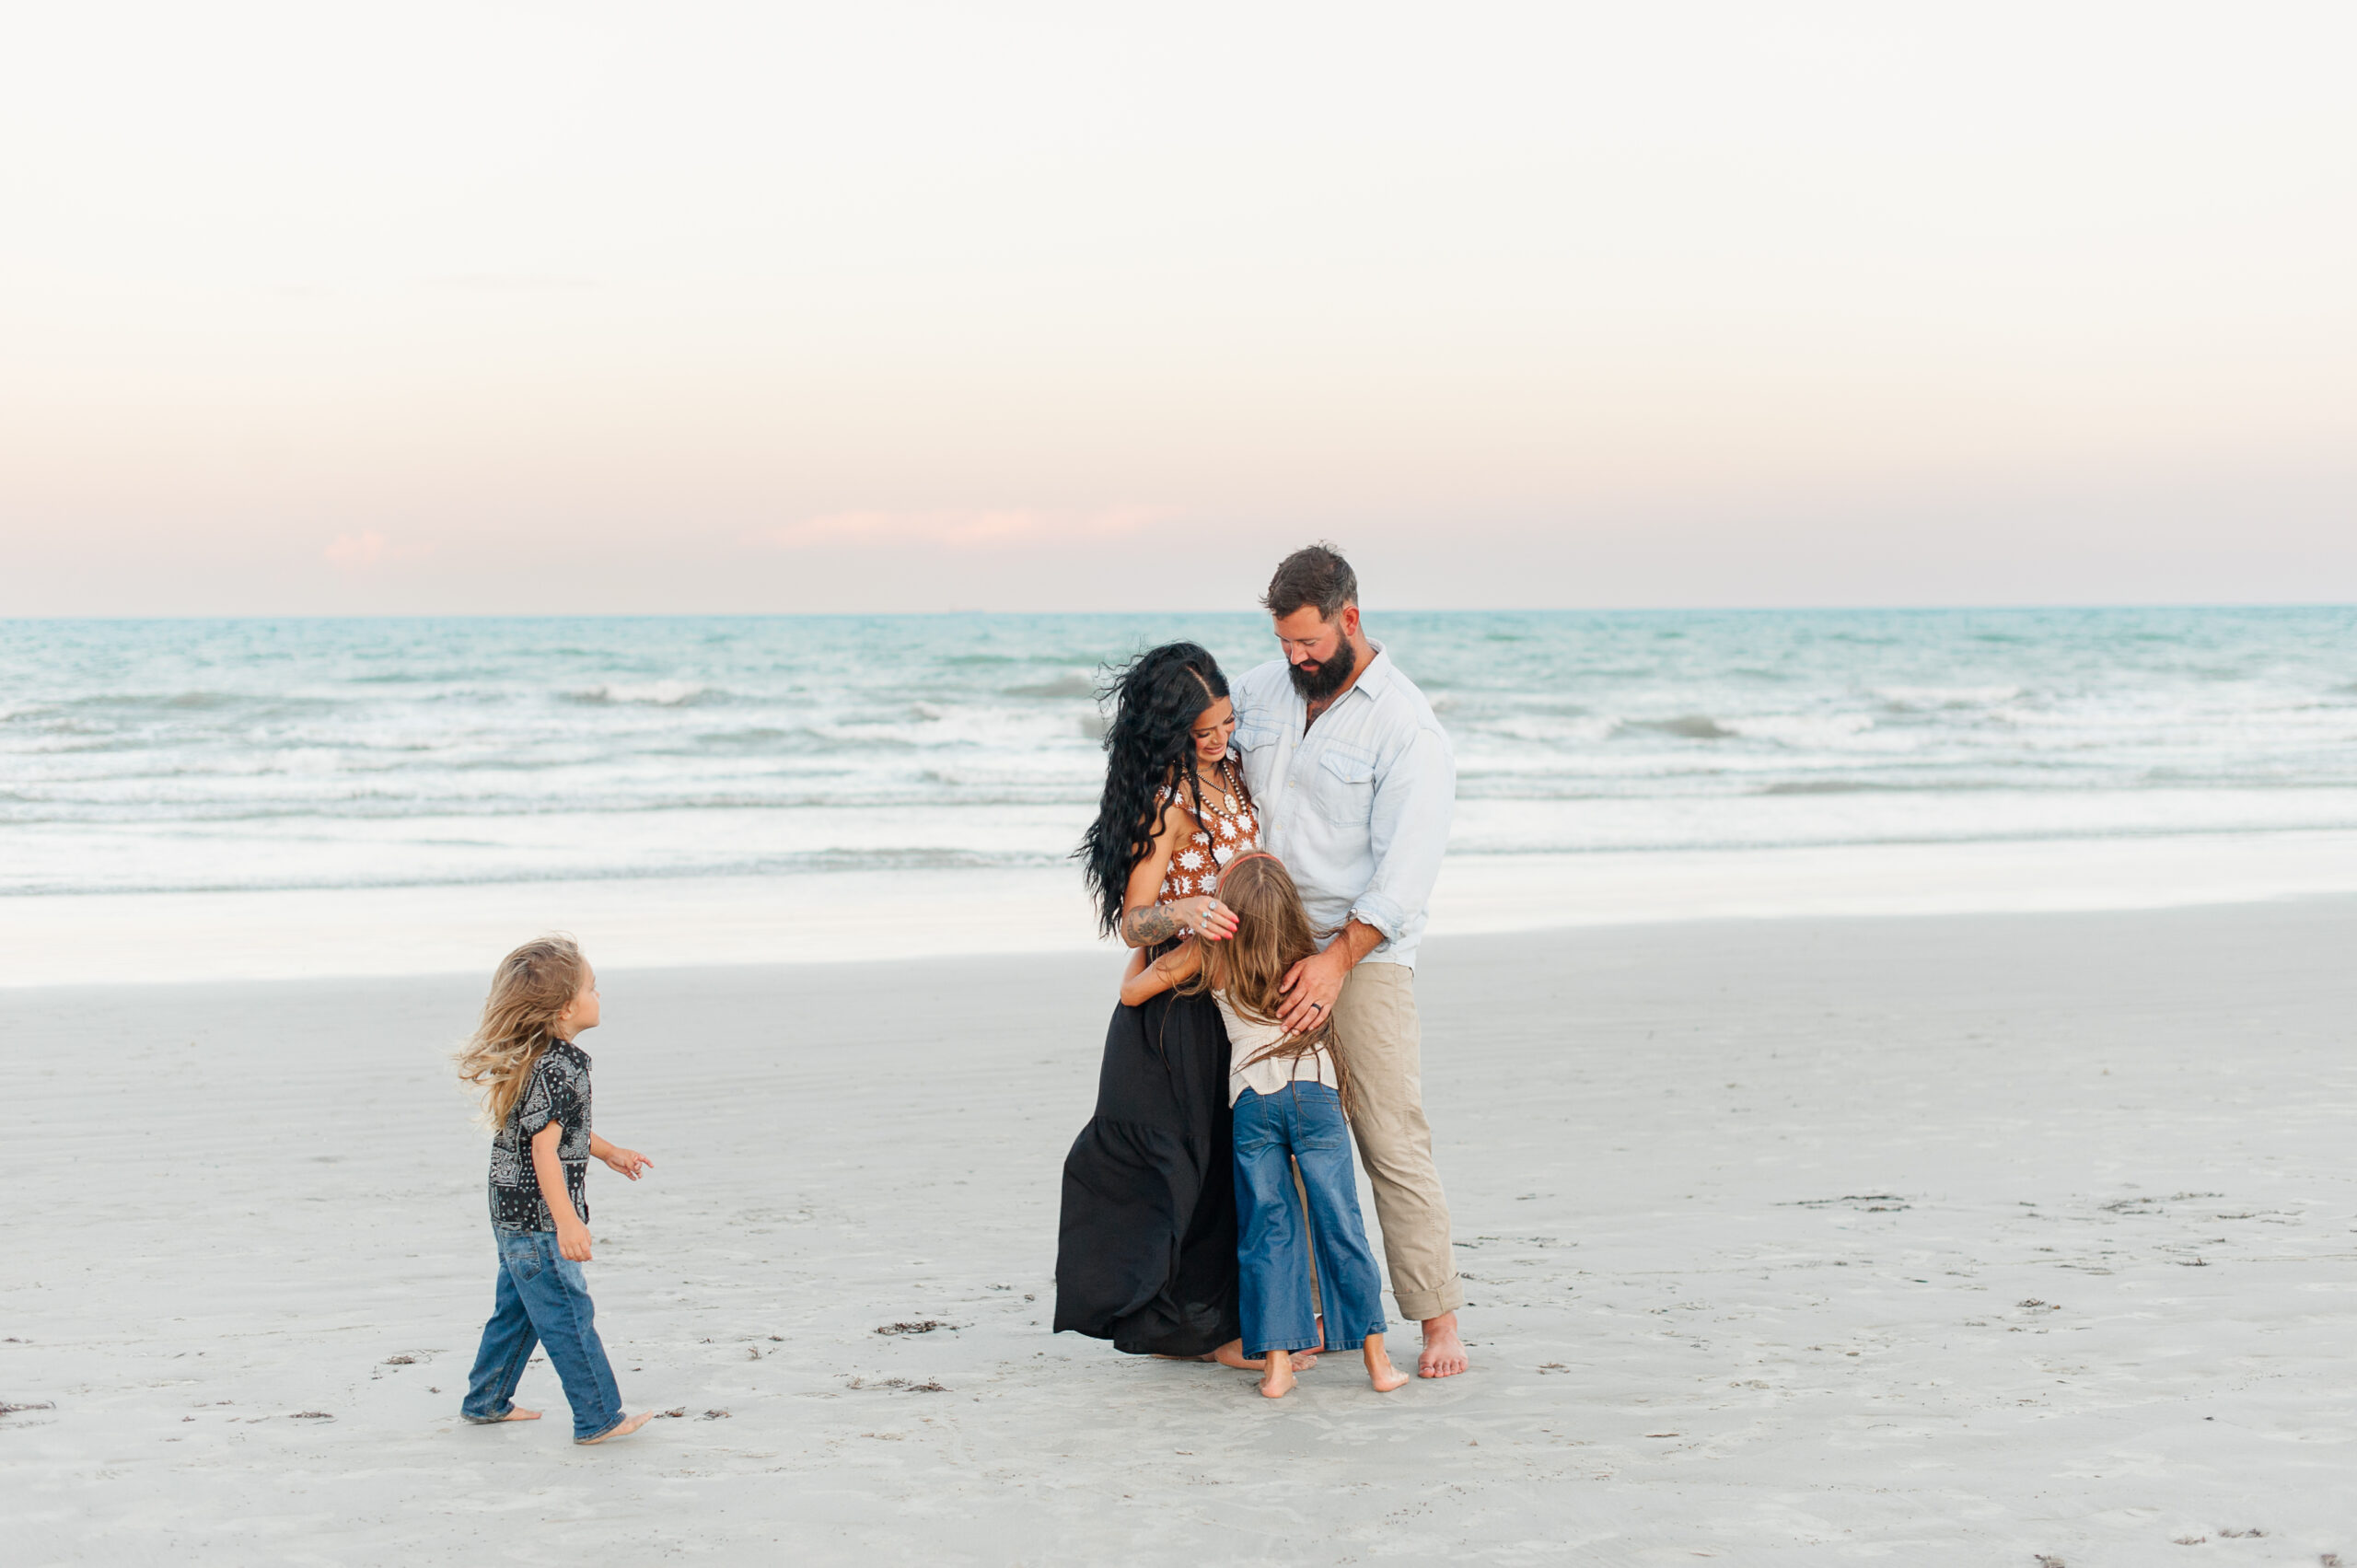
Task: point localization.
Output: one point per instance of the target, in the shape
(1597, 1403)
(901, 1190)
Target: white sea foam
(661, 693)
(1936, 697)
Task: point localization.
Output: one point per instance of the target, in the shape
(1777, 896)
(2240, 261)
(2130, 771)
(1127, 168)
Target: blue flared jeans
(543, 1300)
(1279, 1245)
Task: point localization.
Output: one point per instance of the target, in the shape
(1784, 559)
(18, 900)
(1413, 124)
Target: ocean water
(310, 753)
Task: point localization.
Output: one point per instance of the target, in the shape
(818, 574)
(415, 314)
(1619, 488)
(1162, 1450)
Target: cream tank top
(1246, 1038)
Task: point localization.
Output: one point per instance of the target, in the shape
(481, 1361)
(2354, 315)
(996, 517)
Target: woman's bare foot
(621, 1428)
(1380, 1370)
(1232, 1355)
(1277, 1381)
(515, 1413)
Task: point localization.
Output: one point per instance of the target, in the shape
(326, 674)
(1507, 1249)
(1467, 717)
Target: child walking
(535, 1084)
(1290, 1093)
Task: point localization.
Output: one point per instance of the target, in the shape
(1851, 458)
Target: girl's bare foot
(621, 1428)
(1277, 1381)
(1232, 1355)
(515, 1413)
(1380, 1370)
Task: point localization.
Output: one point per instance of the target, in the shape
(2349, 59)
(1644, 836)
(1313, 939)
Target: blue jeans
(1303, 1124)
(542, 1300)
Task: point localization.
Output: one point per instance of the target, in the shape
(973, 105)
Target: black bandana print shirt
(557, 1091)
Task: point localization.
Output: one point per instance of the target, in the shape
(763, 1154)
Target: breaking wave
(326, 752)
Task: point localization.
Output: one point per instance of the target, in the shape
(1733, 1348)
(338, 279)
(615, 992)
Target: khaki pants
(1374, 1020)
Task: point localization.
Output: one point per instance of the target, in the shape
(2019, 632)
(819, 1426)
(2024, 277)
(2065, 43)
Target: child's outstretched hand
(630, 1162)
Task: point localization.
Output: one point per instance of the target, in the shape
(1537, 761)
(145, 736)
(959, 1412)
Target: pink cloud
(353, 551)
(980, 529)
(360, 552)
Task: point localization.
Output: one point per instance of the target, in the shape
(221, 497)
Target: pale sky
(435, 307)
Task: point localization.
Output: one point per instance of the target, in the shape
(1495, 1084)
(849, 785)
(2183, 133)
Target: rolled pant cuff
(1293, 1349)
(1419, 1304)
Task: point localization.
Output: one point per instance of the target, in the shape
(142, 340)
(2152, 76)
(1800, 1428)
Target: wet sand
(857, 917)
(1937, 1239)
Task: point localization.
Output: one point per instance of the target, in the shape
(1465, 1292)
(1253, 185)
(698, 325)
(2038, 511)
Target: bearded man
(1356, 782)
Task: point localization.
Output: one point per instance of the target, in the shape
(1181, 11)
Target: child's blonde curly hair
(531, 990)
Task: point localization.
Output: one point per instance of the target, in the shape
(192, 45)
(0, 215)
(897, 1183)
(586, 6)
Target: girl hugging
(1290, 1094)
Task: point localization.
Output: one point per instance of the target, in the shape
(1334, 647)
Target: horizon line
(1387, 610)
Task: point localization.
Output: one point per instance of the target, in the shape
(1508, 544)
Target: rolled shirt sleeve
(1415, 799)
(538, 1106)
(555, 1093)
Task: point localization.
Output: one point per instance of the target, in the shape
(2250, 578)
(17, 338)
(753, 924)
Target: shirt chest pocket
(1256, 748)
(1344, 788)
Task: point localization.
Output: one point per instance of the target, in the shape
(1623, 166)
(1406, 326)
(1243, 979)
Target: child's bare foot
(1277, 1381)
(515, 1413)
(621, 1428)
(1380, 1370)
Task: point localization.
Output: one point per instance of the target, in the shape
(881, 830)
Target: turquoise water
(172, 754)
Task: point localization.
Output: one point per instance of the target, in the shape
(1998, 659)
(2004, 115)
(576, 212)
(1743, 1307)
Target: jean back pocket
(523, 1254)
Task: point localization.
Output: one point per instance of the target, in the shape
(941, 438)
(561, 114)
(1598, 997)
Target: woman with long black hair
(1145, 1253)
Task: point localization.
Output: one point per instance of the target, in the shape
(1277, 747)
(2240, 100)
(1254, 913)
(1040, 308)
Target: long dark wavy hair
(1156, 699)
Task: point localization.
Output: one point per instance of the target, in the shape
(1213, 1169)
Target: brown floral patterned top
(1195, 865)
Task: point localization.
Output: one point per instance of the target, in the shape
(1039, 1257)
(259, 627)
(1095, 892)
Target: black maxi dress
(1145, 1251)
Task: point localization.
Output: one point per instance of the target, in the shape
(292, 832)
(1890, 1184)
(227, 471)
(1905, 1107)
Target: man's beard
(1330, 675)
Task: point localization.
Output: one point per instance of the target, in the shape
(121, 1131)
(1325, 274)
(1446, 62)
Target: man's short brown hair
(1318, 577)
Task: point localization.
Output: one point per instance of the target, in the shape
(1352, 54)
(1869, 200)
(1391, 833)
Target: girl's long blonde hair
(1273, 931)
(530, 991)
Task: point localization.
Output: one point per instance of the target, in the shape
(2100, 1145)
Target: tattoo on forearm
(1149, 923)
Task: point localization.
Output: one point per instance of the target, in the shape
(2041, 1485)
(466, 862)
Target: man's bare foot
(1443, 1352)
(1277, 1381)
(1232, 1355)
(515, 1413)
(621, 1428)
(1380, 1370)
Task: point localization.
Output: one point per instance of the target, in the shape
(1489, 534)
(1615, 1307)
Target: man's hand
(573, 1240)
(1311, 987)
(630, 1162)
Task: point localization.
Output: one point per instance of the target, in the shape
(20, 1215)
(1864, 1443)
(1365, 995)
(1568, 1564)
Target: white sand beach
(1797, 559)
(1937, 1239)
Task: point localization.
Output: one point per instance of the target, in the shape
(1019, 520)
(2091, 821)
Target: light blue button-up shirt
(1358, 804)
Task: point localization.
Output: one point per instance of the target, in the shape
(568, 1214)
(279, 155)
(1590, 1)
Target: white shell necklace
(1226, 787)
